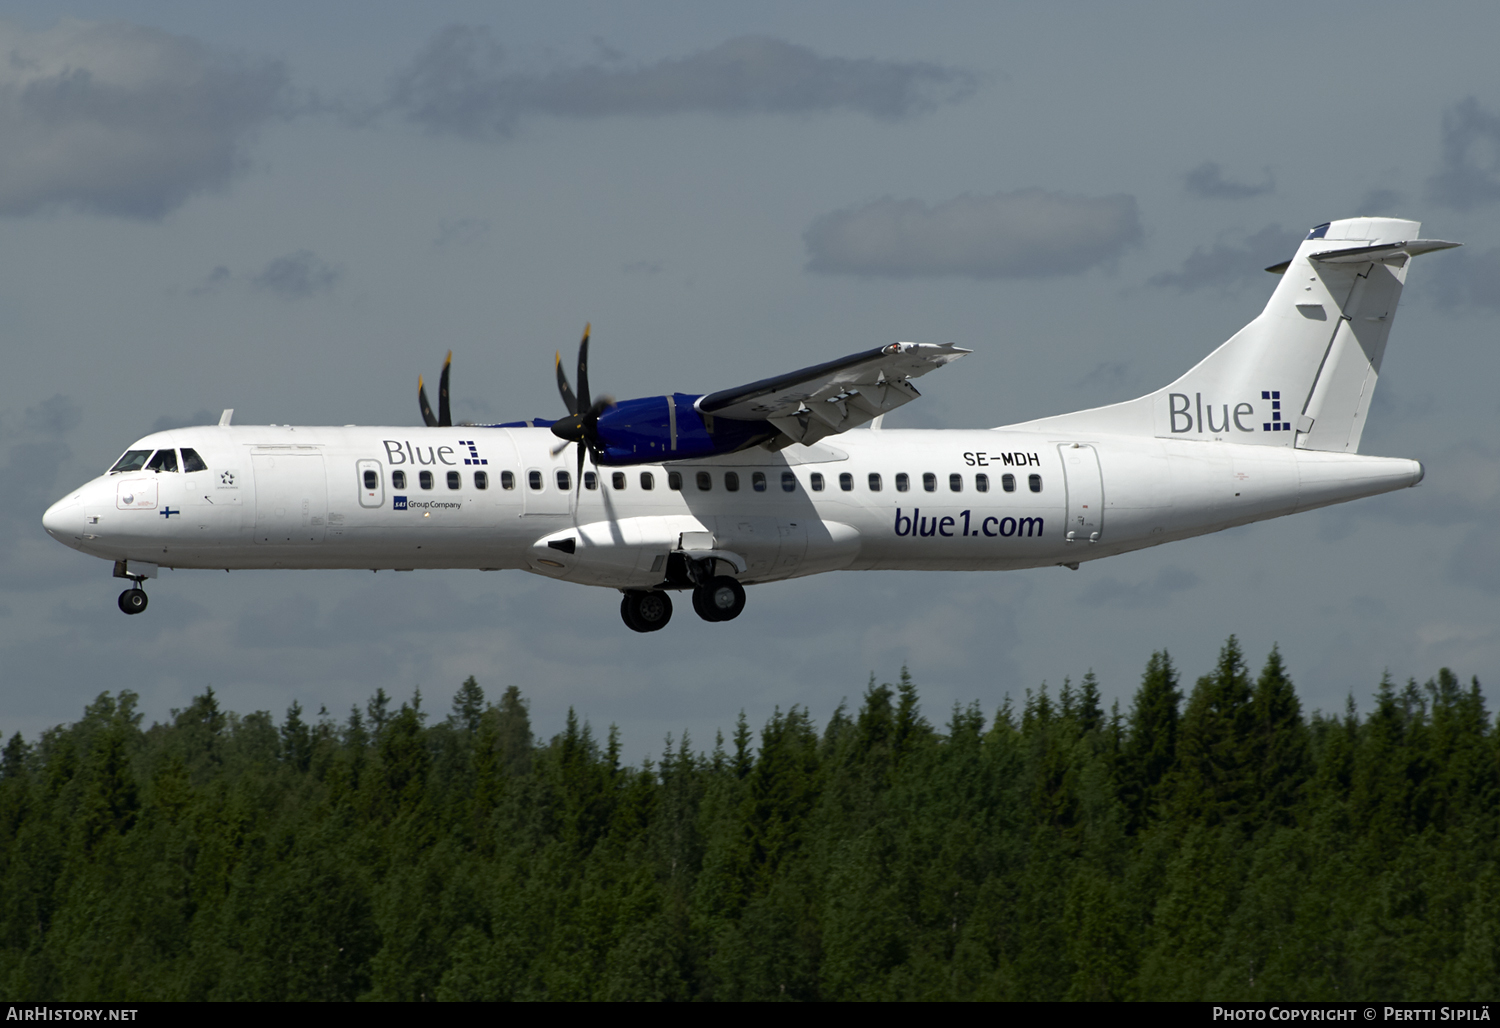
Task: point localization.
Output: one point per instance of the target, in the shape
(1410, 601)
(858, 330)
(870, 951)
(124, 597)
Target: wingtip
(448, 359)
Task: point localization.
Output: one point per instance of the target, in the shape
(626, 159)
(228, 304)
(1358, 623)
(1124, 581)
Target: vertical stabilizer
(1302, 373)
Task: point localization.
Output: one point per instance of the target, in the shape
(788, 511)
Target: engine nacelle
(653, 429)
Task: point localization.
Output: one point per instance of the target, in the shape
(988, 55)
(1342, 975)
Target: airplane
(710, 493)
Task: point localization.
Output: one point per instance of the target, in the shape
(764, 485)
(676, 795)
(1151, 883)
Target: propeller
(444, 417)
(581, 426)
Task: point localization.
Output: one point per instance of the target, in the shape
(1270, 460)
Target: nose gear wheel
(133, 601)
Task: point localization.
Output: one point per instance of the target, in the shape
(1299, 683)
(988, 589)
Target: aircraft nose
(55, 521)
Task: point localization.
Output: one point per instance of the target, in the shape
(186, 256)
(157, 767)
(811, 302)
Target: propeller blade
(427, 415)
(583, 371)
(445, 418)
(569, 400)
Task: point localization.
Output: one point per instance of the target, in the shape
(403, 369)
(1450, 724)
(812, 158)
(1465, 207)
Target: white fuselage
(284, 497)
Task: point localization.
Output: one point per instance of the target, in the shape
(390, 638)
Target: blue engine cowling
(653, 429)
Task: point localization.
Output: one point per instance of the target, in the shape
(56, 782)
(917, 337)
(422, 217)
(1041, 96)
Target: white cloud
(1030, 233)
(123, 120)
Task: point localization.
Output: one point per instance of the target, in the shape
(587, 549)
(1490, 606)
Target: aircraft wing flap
(833, 397)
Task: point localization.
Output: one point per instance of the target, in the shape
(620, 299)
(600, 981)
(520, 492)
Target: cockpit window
(165, 460)
(191, 461)
(133, 460)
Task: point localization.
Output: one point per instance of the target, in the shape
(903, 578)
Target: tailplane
(1302, 373)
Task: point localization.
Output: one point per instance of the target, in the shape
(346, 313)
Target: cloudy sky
(294, 209)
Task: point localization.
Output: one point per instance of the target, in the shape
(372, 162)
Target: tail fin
(1302, 373)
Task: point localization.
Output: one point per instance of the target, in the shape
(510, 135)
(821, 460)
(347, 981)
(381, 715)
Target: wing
(829, 398)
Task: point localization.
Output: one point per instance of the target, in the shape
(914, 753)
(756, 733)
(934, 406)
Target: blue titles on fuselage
(919, 525)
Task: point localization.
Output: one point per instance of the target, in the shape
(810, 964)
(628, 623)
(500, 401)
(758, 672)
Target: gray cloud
(1207, 182)
(1231, 263)
(297, 276)
(1030, 233)
(462, 232)
(1379, 202)
(123, 120)
(458, 84)
(1468, 279)
(169, 421)
(1111, 592)
(35, 451)
(1469, 171)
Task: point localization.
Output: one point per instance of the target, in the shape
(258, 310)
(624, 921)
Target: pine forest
(1213, 842)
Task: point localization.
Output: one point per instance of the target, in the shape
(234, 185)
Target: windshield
(165, 460)
(133, 460)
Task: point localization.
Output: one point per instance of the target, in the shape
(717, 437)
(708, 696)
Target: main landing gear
(719, 599)
(715, 597)
(646, 611)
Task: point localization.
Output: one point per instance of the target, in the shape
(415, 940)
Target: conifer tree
(1280, 746)
(1150, 748)
(1213, 781)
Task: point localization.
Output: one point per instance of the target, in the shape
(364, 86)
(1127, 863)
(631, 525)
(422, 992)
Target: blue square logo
(400, 502)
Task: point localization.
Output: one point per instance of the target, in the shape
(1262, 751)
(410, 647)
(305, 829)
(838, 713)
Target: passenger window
(705, 481)
(956, 483)
(929, 481)
(846, 481)
(1008, 483)
(758, 481)
(398, 480)
(903, 483)
(455, 480)
(192, 462)
(1035, 481)
(133, 460)
(816, 480)
(982, 483)
(732, 481)
(372, 479)
(874, 482)
(647, 481)
(507, 480)
(424, 479)
(618, 480)
(165, 460)
(534, 479)
(674, 481)
(788, 482)
(590, 480)
(564, 480)
(481, 480)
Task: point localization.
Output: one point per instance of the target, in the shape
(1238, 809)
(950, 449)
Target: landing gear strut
(132, 600)
(645, 611)
(719, 599)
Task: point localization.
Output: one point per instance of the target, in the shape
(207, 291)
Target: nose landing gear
(133, 600)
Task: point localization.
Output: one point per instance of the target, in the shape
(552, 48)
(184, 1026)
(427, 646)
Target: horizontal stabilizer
(1381, 251)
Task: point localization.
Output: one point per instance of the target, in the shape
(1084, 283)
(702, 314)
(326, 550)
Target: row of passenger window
(705, 481)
